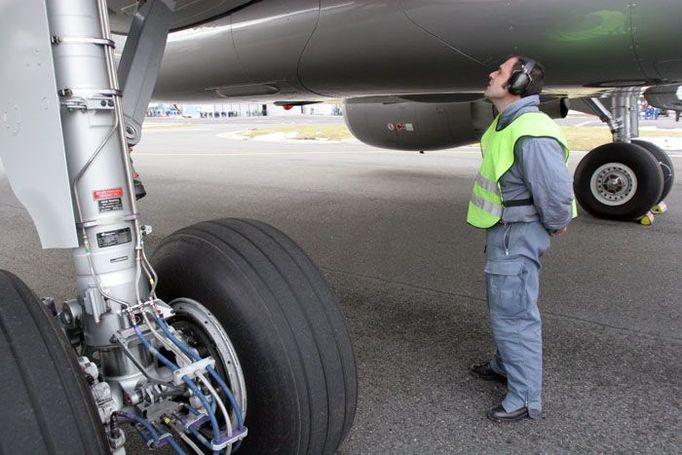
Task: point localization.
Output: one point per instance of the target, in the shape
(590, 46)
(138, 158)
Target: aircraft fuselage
(310, 49)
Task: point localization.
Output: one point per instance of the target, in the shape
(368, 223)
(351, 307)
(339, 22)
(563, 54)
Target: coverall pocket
(506, 285)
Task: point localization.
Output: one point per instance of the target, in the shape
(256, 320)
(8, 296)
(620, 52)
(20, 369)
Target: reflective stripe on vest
(485, 207)
(486, 184)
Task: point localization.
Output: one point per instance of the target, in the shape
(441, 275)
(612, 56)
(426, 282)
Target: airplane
(228, 337)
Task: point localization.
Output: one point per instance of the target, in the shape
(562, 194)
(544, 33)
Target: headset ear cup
(518, 82)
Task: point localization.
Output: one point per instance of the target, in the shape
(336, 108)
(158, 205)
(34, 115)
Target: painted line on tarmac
(676, 155)
(345, 152)
(254, 154)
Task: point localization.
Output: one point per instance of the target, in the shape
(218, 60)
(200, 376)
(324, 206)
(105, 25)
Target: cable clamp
(163, 440)
(82, 40)
(88, 99)
(236, 437)
(192, 369)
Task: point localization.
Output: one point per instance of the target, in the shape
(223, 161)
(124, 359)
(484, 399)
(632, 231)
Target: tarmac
(388, 229)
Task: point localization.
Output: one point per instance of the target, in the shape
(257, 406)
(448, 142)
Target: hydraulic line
(172, 427)
(128, 353)
(151, 274)
(214, 374)
(168, 344)
(178, 350)
(191, 443)
(205, 442)
(171, 346)
(152, 431)
(221, 405)
(193, 387)
(214, 423)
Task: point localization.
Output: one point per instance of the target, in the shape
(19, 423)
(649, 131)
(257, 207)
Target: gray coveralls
(513, 251)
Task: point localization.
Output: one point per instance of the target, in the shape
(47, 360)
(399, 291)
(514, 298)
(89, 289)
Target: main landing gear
(229, 339)
(627, 179)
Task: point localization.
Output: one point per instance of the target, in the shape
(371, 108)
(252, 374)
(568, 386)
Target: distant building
(238, 110)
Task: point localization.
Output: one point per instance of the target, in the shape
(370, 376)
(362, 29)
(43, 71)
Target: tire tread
(279, 280)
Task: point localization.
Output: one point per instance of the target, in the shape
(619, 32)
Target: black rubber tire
(45, 405)
(645, 168)
(285, 323)
(664, 161)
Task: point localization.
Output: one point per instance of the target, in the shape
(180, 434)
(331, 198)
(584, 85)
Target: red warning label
(107, 194)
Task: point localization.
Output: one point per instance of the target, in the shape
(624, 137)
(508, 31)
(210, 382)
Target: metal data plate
(31, 144)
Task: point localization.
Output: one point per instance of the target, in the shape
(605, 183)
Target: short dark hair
(537, 75)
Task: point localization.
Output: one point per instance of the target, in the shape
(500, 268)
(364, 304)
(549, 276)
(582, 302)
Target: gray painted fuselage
(312, 49)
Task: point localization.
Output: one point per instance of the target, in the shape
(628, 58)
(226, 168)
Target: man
(522, 196)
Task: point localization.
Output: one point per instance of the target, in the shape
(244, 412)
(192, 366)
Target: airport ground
(388, 230)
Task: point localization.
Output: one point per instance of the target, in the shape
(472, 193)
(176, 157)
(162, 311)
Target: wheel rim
(197, 324)
(614, 184)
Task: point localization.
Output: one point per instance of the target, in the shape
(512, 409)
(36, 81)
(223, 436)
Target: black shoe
(499, 415)
(483, 371)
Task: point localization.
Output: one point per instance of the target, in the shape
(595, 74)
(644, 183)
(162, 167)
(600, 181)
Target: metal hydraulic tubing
(107, 261)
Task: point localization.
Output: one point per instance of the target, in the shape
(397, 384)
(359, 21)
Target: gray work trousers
(512, 269)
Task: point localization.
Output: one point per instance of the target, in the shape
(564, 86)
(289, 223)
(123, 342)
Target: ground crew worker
(522, 196)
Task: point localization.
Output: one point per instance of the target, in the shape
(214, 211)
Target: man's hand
(559, 232)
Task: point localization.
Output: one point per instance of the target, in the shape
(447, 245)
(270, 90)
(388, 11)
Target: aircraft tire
(618, 181)
(47, 407)
(284, 322)
(664, 161)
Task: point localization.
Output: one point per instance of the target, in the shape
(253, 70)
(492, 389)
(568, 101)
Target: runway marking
(585, 123)
(256, 154)
(342, 152)
(252, 154)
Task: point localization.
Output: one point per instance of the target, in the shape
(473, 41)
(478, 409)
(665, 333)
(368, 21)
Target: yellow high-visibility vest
(497, 147)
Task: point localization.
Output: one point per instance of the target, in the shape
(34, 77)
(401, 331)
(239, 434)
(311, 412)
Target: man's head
(502, 88)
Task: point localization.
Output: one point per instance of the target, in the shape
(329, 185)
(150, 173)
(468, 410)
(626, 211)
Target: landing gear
(618, 181)
(235, 340)
(285, 324)
(627, 179)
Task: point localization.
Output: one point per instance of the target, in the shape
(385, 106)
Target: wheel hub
(614, 184)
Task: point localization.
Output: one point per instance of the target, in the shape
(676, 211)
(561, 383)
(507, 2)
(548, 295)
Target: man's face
(497, 87)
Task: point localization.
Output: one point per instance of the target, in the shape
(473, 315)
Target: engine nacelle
(425, 122)
(665, 96)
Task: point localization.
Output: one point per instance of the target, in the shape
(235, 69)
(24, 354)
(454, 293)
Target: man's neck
(502, 104)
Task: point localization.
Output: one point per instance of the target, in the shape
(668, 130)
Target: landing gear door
(31, 144)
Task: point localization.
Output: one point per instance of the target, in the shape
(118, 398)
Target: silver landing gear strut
(629, 178)
(151, 335)
(139, 368)
(122, 321)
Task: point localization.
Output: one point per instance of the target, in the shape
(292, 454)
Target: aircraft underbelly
(251, 53)
(657, 37)
(373, 47)
(304, 49)
(595, 37)
(187, 12)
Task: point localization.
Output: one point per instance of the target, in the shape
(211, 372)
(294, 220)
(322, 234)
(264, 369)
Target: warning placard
(107, 194)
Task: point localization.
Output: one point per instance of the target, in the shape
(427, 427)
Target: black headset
(521, 79)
